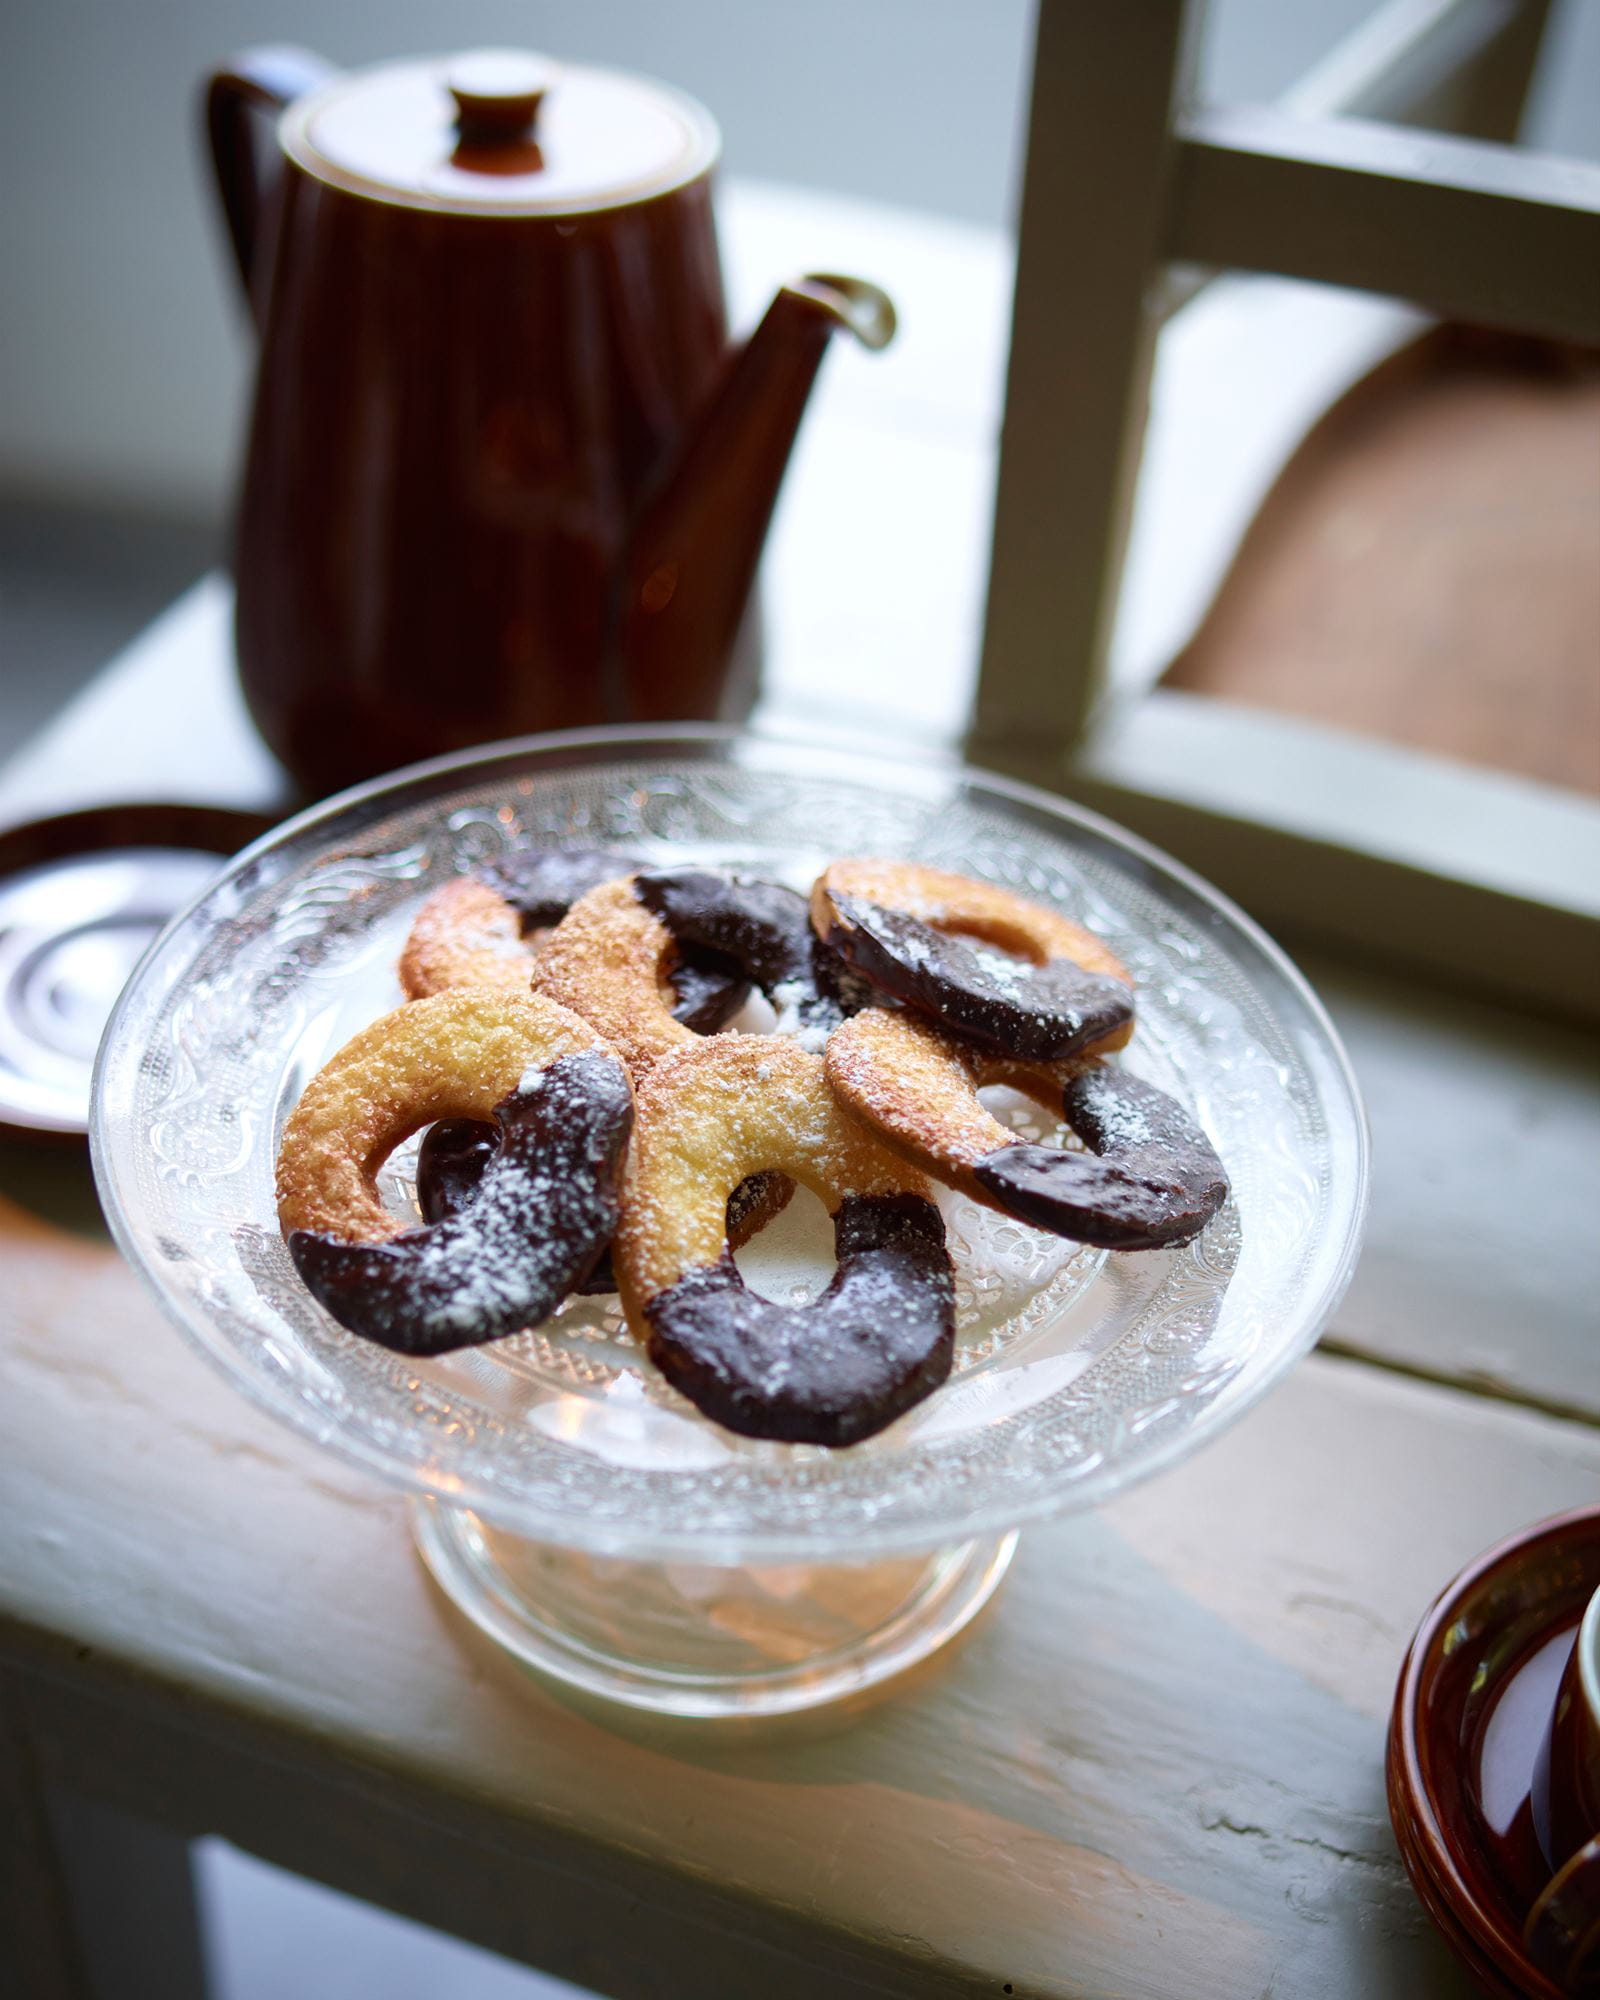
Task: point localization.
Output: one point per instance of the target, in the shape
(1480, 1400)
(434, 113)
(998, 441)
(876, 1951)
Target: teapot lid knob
(498, 91)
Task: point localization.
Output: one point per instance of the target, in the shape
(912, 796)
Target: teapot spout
(692, 555)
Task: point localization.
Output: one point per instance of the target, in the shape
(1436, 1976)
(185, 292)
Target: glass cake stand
(568, 1501)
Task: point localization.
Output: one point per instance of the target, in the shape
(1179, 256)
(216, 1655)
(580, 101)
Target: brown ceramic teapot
(505, 473)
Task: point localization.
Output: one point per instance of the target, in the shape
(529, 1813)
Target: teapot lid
(500, 131)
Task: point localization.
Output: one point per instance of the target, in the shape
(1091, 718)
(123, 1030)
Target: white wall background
(122, 356)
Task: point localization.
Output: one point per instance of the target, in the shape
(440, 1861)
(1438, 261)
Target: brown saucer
(1471, 1710)
(81, 896)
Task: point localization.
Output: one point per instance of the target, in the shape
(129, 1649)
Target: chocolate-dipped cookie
(879, 1339)
(547, 1201)
(1150, 1177)
(543, 1211)
(986, 964)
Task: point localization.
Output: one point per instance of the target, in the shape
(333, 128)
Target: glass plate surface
(1077, 1371)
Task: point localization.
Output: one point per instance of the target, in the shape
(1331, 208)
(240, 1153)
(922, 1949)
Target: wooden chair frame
(1130, 197)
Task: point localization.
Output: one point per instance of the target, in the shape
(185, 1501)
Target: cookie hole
(1018, 959)
(755, 1017)
(791, 1260)
(397, 1181)
(1019, 1114)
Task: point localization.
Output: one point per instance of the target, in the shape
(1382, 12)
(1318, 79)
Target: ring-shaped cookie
(548, 1203)
(1150, 1178)
(985, 963)
(611, 957)
(878, 1339)
(484, 929)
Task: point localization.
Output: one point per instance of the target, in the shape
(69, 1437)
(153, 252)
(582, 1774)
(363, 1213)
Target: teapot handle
(264, 79)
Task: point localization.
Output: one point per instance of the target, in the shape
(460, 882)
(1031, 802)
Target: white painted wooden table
(1155, 1769)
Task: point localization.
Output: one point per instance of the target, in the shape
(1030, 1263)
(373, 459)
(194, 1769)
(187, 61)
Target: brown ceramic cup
(1562, 1930)
(1514, 1598)
(1566, 1782)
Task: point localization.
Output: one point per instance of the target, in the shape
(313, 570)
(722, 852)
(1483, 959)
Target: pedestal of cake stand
(696, 1640)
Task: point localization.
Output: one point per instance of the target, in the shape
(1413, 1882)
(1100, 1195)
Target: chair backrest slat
(1469, 230)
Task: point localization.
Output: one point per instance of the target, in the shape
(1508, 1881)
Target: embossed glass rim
(815, 1512)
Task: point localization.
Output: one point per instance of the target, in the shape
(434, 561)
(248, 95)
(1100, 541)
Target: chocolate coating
(1151, 1177)
(457, 1152)
(546, 1205)
(708, 996)
(759, 931)
(542, 883)
(1037, 1012)
(879, 1339)
(451, 1163)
